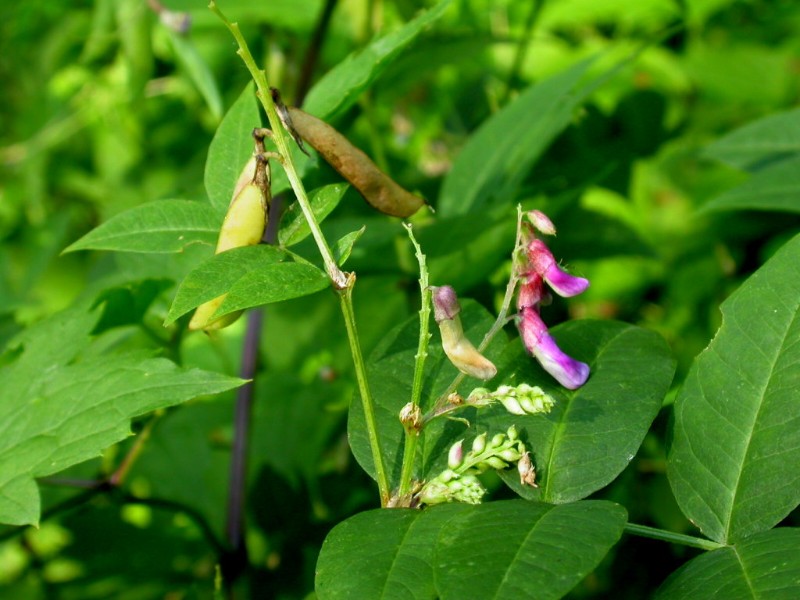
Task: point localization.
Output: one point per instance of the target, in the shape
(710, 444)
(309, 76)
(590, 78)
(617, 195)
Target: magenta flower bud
(445, 303)
(541, 222)
(569, 372)
(456, 455)
(545, 264)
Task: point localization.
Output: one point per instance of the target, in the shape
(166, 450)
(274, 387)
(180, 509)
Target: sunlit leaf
(736, 441)
(56, 411)
(766, 565)
(776, 187)
(161, 226)
(341, 86)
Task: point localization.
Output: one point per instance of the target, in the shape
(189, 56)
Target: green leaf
(394, 550)
(517, 549)
(56, 411)
(198, 72)
(736, 443)
(161, 226)
(510, 549)
(593, 432)
(765, 140)
(344, 245)
(339, 89)
(294, 227)
(273, 283)
(230, 149)
(766, 565)
(493, 163)
(776, 187)
(237, 271)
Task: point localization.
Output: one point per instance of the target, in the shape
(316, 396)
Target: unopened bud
(456, 455)
(479, 443)
(510, 455)
(541, 222)
(498, 440)
(496, 463)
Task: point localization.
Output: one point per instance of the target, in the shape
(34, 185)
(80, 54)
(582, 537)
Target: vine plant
(554, 414)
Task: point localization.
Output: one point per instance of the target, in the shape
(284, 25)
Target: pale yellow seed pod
(244, 225)
(464, 356)
(380, 190)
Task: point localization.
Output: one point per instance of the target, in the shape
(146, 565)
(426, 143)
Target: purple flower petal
(545, 264)
(569, 372)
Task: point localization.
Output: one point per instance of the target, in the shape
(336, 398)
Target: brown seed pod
(380, 190)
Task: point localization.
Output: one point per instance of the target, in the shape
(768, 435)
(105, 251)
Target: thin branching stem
(342, 283)
(412, 433)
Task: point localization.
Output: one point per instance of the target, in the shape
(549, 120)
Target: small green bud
(495, 462)
(512, 434)
(498, 440)
(510, 455)
(479, 443)
(456, 455)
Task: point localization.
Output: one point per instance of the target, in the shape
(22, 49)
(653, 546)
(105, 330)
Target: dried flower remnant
(464, 356)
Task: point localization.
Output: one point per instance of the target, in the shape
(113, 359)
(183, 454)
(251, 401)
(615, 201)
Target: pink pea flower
(543, 263)
(569, 372)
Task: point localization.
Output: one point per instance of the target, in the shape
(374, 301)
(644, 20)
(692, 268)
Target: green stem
(412, 433)
(669, 536)
(341, 282)
(281, 140)
(346, 300)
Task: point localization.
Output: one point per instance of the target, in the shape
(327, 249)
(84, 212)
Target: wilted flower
(464, 356)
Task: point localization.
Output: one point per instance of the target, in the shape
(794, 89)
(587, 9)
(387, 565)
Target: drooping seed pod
(380, 190)
(244, 225)
(464, 356)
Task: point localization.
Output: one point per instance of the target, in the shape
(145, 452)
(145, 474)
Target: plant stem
(280, 138)
(669, 536)
(346, 301)
(412, 434)
(342, 283)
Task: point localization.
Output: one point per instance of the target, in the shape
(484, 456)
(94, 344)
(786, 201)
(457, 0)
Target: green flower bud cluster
(458, 483)
(523, 399)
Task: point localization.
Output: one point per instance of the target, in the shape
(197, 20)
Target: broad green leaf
(518, 549)
(273, 283)
(736, 441)
(161, 226)
(294, 227)
(56, 411)
(776, 187)
(230, 149)
(339, 89)
(344, 245)
(394, 550)
(198, 72)
(765, 566)
(593, 432)
(765, 140)
(493, 163)
(218, 274)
